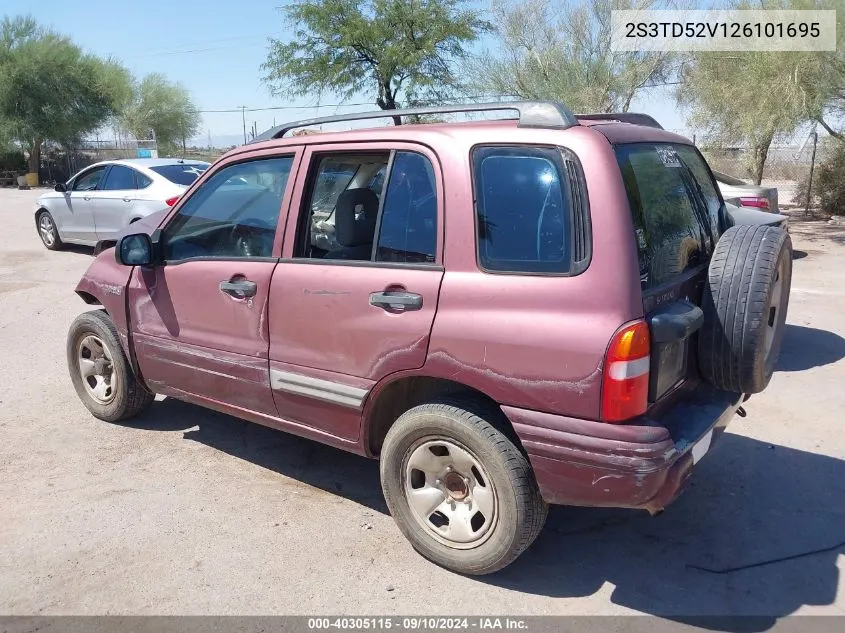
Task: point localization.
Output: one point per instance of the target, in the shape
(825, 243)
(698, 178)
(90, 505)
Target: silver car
(106, 197)
(744, 195)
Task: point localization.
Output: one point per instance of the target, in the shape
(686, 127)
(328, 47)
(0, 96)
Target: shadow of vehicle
(799, 254)
(315, 464)
(711, 553)
(757, 532)
(78, 249)
(807, 347)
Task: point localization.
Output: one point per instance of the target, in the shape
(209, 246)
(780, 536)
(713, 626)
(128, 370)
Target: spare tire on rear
(745, 302)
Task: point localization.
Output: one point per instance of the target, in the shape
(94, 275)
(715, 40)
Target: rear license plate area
(669, 366)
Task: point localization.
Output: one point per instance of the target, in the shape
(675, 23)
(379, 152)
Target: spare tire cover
(745, 302)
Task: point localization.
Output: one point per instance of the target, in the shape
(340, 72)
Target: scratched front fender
(105, 283)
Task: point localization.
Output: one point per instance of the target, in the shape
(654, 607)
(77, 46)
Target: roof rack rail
(542, 114)
(637, 118)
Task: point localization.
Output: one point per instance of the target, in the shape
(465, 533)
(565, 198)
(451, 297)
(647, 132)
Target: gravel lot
(185, 511)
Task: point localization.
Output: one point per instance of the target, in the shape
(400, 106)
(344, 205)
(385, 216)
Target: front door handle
(239, 288)
(86, 197)
(396, 301)
(127, 199)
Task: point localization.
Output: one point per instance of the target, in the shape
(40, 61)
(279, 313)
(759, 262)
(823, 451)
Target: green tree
(164, 109)
(51, 89)
(394, 50)
(560, 51)
(751, 98)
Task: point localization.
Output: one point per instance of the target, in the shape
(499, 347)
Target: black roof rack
(637, 118)
(542, 114)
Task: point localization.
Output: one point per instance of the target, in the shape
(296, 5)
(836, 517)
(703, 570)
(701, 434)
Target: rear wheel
(100, 371)
(48, 232)
(458, 488)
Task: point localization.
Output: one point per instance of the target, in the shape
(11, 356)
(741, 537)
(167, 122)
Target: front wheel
(100, 371)
(48, 232)
(458, 488)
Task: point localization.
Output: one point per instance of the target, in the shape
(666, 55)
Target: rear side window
(142, 180)
(675, 208)
(181, 174)
(523, 209)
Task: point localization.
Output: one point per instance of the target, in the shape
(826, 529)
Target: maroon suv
(510, 313)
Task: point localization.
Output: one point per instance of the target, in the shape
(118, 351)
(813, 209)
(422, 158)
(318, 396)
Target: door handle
(86, 197)
(127, 199)
(396, 301)
(239, 288)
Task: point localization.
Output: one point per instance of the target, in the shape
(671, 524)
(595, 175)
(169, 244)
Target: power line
(337, 105)
(311, 107)
(196, 50)
(204, 45)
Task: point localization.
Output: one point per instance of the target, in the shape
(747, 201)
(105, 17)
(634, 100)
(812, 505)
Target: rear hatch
(678, 215)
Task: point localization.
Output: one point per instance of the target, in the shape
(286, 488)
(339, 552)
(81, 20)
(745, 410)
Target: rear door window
(523, 208)
(675, 208)
(119, 178)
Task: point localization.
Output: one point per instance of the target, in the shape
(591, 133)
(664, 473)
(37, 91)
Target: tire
(672, 259)
(111, 392)
(745, 304)
(47, 231)
(511, 508)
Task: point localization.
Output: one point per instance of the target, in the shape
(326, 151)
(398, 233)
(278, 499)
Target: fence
(58, 163)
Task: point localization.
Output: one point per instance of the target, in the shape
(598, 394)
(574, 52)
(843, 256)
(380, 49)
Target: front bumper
(640, 465)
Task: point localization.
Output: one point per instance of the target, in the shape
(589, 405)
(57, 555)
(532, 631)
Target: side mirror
(61, 187)
(134, 250)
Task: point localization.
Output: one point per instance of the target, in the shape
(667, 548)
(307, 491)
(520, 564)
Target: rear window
(523, 207)
(675, 207)
(181, 174)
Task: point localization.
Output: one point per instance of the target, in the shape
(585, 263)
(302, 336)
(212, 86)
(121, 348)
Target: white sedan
(106, 197)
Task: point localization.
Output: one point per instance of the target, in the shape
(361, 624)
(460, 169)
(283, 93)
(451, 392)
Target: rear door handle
(396, 301)
(127, 199)
(86, 197)
(239, 288)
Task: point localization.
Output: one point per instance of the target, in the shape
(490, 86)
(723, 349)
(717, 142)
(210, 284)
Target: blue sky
(214, 48)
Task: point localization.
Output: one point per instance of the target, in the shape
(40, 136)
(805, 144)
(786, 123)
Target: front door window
(234, 213)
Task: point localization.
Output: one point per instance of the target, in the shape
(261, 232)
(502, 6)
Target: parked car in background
(106, 197)
(755, 217)
(742, 194)
(507, 314)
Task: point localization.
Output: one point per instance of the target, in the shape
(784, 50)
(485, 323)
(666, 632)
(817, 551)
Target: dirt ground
(185, 511)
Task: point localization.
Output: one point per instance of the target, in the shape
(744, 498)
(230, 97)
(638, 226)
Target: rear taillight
(626, 366)
(171, 201)
(760, 203)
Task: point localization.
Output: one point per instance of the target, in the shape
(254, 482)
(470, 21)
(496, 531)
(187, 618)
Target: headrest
(355, 217)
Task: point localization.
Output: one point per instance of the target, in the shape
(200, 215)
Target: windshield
(181, 173)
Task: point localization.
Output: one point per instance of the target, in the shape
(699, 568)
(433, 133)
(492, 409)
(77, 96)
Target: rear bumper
(640, 465)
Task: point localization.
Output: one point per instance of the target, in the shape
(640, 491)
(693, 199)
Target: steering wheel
(249, 238)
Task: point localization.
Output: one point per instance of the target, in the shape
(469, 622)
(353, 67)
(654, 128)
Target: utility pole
(815, 136)
(243, 117)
